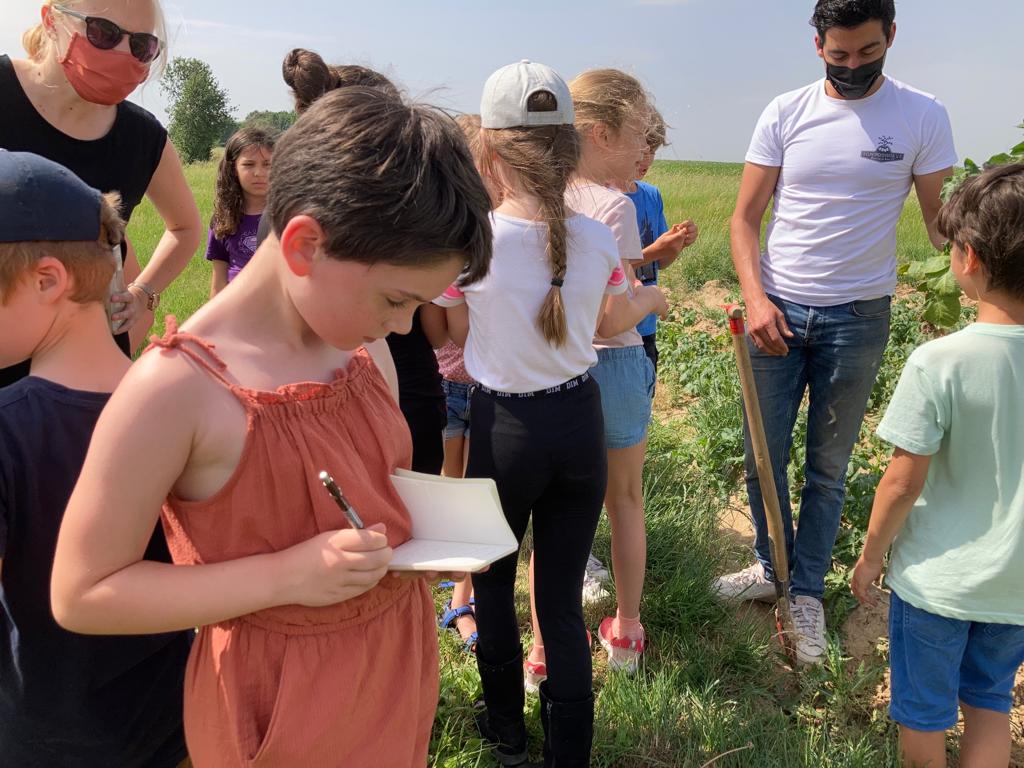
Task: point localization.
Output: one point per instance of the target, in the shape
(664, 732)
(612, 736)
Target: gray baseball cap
(507, 94)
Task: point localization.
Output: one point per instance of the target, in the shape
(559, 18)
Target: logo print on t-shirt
(249, 243)
(883, 151)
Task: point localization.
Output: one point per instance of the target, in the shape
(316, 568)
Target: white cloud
(188, 25)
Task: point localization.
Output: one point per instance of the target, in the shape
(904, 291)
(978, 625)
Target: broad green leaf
(913, 271)
(971, 167)
(935, 265)
(942, 311)
(946, 285)
(1018, 150)
(1001, 159)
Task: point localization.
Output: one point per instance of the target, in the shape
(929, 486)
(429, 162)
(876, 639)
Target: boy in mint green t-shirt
(951, 502)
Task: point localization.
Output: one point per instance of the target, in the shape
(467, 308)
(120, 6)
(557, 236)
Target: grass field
(704, 192)
(712, 690)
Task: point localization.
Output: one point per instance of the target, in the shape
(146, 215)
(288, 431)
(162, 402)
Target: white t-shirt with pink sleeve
(613, 209)
(506, 350)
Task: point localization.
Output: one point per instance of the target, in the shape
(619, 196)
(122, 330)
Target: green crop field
(713, 689)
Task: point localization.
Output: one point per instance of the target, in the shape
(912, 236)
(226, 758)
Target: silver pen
(341, 501)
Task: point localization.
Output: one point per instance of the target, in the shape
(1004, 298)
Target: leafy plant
(199, 107)
(932, 276)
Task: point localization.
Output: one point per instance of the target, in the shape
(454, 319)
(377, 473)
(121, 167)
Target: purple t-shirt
(235, 249)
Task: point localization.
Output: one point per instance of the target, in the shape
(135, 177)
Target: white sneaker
(748, 584)
(596, 569)
(809, 622)
(594, 579)
(594, 591)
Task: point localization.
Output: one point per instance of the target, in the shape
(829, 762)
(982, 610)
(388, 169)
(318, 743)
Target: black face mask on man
(856, 82)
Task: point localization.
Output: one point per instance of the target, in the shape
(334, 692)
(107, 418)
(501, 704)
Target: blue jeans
(834, 354)
(935, 660)
(457, 401)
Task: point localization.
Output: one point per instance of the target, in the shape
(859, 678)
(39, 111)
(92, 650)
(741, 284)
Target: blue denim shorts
(626, 378)
(457, 397)
(935, 661)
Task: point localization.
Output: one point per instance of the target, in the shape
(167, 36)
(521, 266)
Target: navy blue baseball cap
(42, 200)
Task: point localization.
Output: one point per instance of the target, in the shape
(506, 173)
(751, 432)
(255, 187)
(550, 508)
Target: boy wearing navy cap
(65, 699)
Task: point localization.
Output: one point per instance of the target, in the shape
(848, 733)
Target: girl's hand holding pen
(335, 566)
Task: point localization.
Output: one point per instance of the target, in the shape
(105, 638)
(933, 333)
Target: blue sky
(711, 64)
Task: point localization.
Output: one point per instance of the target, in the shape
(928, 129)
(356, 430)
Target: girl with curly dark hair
(243, 180)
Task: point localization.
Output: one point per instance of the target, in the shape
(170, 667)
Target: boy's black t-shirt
(66, 699)
(415, 363)
(122, 161)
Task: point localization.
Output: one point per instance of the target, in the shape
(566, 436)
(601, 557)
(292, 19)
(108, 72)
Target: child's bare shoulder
(170, 379)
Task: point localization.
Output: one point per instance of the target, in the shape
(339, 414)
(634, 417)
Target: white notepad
(457, 525)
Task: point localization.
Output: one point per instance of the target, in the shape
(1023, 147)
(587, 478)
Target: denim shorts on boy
(936, 661)
(457, 396)
(626, 378)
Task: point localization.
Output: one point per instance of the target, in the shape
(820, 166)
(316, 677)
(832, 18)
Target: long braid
(543, 159)
(551, 193)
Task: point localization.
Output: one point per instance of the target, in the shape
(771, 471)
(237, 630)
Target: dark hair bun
(308, 77)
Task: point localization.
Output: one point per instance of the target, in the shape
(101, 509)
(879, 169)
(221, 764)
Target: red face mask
(101, 77)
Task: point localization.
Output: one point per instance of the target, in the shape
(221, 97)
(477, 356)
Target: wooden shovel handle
(766, 478)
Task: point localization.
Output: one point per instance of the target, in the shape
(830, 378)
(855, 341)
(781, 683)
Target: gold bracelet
(152, 297)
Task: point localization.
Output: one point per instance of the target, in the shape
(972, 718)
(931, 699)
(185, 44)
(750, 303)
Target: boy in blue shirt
(951, 502)
(662, 245)
(65, 699)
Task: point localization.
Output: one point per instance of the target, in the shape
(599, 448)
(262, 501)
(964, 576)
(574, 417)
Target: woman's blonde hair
(609, 97)
(38, 44)
(543, 158)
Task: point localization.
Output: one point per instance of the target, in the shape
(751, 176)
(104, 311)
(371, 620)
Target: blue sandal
(449, 621)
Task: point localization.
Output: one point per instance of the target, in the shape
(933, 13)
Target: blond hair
(38, 44)
(656, 131)
(543, 159)
(90, 263)
(609, 97)
(470, 125)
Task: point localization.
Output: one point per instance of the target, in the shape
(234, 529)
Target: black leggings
(547, 454)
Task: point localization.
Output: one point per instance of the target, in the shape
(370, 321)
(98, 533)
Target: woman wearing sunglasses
(66, 102)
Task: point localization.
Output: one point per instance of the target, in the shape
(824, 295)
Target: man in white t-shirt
(839, 157)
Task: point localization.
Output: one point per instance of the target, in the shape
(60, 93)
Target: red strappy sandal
(623, 654)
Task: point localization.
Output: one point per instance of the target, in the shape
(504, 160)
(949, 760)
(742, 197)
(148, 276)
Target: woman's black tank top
(122, 161)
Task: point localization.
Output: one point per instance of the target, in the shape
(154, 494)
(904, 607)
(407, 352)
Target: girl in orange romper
(309, 653)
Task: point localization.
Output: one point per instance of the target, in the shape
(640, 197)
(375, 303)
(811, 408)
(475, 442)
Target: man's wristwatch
(152, 297)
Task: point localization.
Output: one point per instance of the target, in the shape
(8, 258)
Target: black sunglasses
(105, 34)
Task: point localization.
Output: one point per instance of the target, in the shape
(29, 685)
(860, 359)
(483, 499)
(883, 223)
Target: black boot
(568, 730)
(545, 720)
(499, 716)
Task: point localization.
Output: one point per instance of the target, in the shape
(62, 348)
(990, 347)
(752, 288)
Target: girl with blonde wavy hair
(612, 117)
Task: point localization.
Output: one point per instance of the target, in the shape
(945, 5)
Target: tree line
(200, 112)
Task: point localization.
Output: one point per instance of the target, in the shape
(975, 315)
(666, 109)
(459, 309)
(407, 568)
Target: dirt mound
(865, 633)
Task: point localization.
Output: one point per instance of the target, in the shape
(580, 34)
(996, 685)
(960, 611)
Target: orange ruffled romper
(353, 684)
